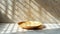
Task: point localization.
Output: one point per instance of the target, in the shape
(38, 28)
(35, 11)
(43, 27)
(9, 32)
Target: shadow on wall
(5, 19)
(0, 17)
(51, 6)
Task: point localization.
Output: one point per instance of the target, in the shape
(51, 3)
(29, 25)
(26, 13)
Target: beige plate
(30, 25)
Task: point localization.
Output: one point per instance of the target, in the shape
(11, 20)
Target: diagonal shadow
(49, 6)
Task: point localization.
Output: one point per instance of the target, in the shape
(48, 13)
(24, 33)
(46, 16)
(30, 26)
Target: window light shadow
(12, 28)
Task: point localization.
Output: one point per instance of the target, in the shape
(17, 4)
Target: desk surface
(12, 28)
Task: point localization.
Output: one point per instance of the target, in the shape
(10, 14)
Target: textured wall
(39, 10)
(51, 6)
(4, 9)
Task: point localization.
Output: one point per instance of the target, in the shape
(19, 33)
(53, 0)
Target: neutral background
(46, 11)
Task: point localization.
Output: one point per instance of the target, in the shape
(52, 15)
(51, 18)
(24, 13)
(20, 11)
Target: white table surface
(12, 28)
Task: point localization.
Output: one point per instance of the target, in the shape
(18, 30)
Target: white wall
(39, 10)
